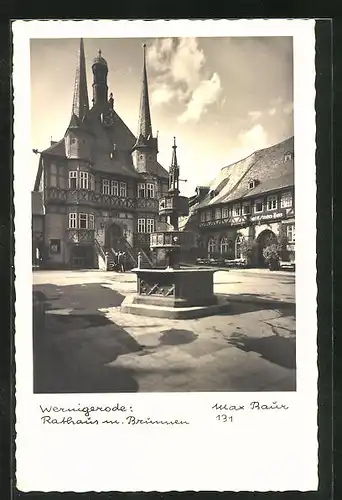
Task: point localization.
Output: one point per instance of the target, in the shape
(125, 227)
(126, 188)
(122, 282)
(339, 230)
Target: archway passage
(265, 238)
(113, 236)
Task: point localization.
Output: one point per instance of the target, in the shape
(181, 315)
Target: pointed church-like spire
(80, 104)
(145, 125)
(174, 171)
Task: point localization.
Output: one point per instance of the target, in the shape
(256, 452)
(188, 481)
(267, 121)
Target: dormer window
(252, 183)
(288, 156)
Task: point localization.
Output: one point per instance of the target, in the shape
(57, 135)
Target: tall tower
(76, 138)
(100, 88)
(80, 103)
(174, 172)
(146, 147)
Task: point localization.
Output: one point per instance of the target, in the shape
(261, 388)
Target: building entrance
(265, 238)
(113, 236)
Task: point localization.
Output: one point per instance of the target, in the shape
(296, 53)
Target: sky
(222, 98)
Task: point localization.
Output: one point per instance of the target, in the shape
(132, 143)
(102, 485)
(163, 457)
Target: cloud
(272, 111)
(182, 77)
(162, 94)
(254, 138)
(205, 94)
(247, 142)
(255, 115)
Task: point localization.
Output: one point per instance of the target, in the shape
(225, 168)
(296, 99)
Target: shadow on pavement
(72, 351)
(249, 302)
(177, 337)
(276, 349)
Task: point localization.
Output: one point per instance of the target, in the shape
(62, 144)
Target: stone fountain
(173, 292)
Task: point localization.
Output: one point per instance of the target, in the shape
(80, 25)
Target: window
(238, 243)
(53, 175)
(55, 246)
(225, 245)
(211, 246)
(272, 202)
(123, 189)
(290, 233)
(246, 208)
(83, 180)
(150, 226)
(72, 224)
(73, 180)
(217, 213)
(251, 185)
(105, 186)
(225, 212)
(202, 216)
(114, 188)
(150, 190)
(286, 200)
(83, 221)
(92, 182)
(236, 209)
(258, 206)
(209, 215)
(141, 190)
(288, 156)
(63, 182)
(91, 221)
(141, 225)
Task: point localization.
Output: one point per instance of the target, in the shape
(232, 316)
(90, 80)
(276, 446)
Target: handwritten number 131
(224, 418)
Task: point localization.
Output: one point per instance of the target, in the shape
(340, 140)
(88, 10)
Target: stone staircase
(107, 255)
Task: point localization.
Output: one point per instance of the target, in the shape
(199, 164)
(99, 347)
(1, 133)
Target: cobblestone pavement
(89, 345)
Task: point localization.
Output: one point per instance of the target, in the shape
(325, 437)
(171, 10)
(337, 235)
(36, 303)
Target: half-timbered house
(249, 204)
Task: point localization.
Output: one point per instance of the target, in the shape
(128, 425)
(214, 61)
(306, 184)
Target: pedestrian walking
(121, 261)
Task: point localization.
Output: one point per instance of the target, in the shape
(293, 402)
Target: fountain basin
(174, 293)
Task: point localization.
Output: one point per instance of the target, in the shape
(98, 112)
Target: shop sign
(267, 217)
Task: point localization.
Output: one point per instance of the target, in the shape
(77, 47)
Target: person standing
(121, 261)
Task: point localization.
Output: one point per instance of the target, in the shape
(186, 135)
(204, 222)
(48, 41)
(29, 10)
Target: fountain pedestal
(174, 292)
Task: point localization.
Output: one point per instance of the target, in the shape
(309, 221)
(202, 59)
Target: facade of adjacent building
(249, 204)
(98, 187)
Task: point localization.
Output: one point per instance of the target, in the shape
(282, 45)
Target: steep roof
(37, 204)
(57, 149)
(266, 166)
(120, 135)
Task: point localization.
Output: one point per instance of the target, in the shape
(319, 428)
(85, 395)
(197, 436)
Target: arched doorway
(265, 238)
(112, 236)
(211, 247)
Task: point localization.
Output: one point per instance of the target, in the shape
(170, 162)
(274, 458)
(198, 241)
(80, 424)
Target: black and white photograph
(166, 173)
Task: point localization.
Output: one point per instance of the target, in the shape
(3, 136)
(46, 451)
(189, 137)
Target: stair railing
(101, 252)
(145, 256)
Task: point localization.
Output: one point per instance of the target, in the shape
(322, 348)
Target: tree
(271, 255)
(248, 249)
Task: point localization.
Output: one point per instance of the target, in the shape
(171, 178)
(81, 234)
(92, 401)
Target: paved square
(89, 345)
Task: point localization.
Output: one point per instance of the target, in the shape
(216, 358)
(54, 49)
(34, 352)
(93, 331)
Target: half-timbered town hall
(98, 187)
